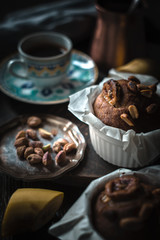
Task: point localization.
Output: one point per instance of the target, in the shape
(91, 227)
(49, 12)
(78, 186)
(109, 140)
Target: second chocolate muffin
(127, 208)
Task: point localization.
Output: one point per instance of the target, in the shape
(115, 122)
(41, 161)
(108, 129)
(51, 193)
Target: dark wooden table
(72, 183)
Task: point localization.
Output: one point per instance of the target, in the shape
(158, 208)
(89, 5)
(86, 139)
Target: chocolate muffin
(128, 104)
(127, 208)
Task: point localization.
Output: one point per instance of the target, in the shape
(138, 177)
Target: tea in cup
(44, 59)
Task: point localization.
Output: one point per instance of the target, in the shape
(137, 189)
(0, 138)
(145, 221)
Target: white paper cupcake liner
(116, 146)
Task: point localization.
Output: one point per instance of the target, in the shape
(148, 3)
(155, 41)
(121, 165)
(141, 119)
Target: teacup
(44, 58)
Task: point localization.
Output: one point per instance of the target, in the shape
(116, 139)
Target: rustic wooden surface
(72, 183)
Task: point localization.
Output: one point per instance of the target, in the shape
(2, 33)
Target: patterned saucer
(83, 72)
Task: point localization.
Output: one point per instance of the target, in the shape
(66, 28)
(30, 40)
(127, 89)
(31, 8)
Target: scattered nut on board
(34, 121)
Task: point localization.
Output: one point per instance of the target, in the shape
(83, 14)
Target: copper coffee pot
(119, 34)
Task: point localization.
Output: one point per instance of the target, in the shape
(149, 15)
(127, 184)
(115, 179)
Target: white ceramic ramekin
(110, 150)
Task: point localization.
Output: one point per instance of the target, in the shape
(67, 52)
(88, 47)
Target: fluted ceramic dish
(22, 169)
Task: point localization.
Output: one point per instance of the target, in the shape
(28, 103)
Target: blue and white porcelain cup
(44, 59)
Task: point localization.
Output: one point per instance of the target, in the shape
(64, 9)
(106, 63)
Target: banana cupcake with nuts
(128, 104)
(123, 114)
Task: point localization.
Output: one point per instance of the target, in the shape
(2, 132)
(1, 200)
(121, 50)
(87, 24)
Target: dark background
(77, 19)
(78, 24)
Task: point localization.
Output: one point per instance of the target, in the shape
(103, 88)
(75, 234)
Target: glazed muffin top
(128, 104)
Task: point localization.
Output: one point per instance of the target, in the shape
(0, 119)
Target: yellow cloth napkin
(29, 209)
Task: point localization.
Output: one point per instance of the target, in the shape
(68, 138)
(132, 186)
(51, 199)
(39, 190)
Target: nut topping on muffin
(151, 108)
(132, 86)
(128, 104)
(126, 119)
(133, 111)
(134, 79)
(147, 93)
(122, 187)
(112, 92)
